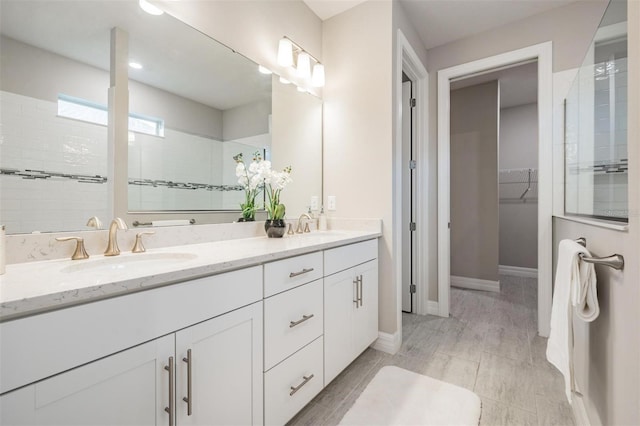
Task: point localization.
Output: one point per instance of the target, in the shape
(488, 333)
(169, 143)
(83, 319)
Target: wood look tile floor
(489, 345)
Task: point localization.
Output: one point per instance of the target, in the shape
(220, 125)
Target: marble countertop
(36, 287)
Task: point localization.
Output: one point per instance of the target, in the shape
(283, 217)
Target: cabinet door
(339, 297)
(226, 370)
(365, 324)
(128, 388)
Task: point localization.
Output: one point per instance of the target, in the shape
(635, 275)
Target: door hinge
(412, 288)
(412, 102)
(412, 226)
(449, 225)
(412, 164)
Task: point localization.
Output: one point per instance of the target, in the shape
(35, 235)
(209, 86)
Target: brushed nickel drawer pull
(189, 398)
(357, 291)
(360, 283)
(304, 382)
(171, 408)
(300, 321)
(304, 271)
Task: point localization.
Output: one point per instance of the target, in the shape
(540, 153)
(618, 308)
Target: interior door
(408, 188)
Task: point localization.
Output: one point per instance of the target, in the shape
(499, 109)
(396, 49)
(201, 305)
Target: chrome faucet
(112, 246)
(306, 227)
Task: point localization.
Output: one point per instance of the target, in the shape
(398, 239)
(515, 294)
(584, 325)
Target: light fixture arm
(300, 49)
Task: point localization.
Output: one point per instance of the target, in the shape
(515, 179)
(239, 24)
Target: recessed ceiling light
(149, 8)
(135, 65)
(264, 70)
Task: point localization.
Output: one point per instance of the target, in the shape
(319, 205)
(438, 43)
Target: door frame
(407, 60)
(543, 54)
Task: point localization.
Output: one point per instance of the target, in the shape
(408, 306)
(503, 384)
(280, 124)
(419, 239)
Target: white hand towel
(575, 282)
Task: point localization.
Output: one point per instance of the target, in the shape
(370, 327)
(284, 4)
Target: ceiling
(176, 57)
(440, 22)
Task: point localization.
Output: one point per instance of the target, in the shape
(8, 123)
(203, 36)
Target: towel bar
(615, 261)
(138, 223)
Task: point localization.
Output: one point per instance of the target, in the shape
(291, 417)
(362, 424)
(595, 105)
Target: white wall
(518, 219)
(358, 138)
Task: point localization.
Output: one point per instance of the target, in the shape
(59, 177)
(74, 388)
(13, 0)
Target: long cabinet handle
(306, 380)
(171, 408)
(360, 281)
(300, 321)
(189, 398)
(357, 291)
(304, 271)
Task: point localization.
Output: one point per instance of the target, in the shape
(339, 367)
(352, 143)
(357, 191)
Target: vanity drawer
(289, 273)
(290, 385)
(291, 320)
(345, 257)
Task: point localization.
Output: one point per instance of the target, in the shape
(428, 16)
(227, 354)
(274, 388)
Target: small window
(83, 110)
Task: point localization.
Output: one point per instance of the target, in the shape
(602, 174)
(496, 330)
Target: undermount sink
(120, 263)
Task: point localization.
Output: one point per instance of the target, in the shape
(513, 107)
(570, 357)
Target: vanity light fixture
(286, 50)
(135, 65)
(150, 8)
(304, 65)
(317, 79)
(264, 70)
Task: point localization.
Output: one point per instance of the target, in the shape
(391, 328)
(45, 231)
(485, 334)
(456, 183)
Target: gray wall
(606, 353)
(518, 220)
(474, 181)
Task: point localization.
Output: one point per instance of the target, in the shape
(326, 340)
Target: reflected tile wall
(32, 136)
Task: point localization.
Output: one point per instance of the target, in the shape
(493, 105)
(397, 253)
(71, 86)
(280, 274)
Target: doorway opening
(542, 54)
(494, 195)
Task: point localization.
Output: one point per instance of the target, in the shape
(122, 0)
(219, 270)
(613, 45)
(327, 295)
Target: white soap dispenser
(322, 220)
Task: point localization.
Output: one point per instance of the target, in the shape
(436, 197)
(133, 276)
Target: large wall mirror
(596, 161)
(193, 105)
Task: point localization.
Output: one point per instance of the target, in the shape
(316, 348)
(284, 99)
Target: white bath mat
(399, 397)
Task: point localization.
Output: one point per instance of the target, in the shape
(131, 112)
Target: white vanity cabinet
(91, 373)
(350, 304)
(218, 370)
(247, 347)
(128, 388)
(293, 327)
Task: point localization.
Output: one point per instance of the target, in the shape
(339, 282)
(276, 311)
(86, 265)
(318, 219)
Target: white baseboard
(518, 271)
(475, 284)
(433, 308)
(389, 343)
(580, 415)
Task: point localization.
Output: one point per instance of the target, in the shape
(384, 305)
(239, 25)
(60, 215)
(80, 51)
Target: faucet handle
(306, 227)
(94, 222)
(138, 247)
(80, 252)
(290, 230)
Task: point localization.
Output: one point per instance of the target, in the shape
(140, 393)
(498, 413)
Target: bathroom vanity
(243, 331)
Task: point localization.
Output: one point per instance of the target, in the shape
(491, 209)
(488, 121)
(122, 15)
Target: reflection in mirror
(209, 107)
(297, 142)
(596, 163)
(52, 154)
(54, 81)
